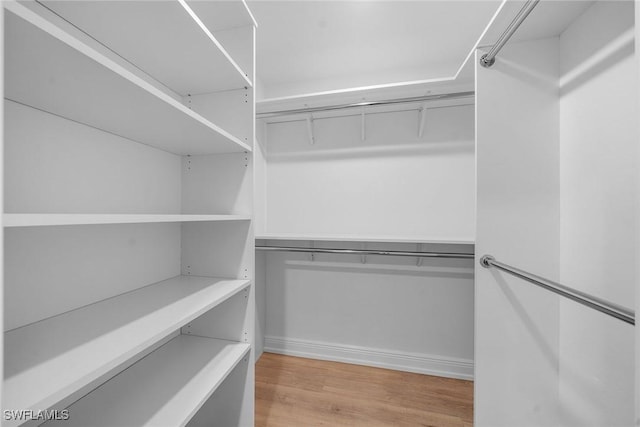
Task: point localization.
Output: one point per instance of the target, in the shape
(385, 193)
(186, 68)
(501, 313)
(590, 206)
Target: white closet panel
(225, 407)
(221, 249)
(217, 183)
(516, 324)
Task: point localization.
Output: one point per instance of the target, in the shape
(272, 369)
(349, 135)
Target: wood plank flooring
(298, 392)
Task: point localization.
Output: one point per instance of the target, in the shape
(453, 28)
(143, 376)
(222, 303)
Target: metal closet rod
(603, 306)
(488, 59)
(367, 252)
(309, 110)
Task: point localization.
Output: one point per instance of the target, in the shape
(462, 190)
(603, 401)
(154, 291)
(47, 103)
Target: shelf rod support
(419, 259)
(423, 120)
(310, 129)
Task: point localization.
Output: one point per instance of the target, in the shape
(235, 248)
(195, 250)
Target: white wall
(599, 212)
(386, 312)
(392, 184)
(54, 165)
(516, 324)
(51, 270)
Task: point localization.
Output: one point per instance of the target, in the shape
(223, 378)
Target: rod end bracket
(485, 261)
(487, 63)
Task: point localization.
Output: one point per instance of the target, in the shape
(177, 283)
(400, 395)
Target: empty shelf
(363, 238)
(57, 360)
(185, 59)
(50, 68)
(166, 388)
(35, 220)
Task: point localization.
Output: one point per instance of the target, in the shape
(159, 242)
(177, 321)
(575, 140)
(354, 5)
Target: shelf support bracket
(423, 120)
(363, 258)
(419, 259)
(363, 128)
(312, 138)
(312, 254)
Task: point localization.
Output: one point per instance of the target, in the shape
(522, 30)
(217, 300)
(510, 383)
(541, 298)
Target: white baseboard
(428, 364)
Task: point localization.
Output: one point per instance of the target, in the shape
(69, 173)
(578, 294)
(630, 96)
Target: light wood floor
(297, 392)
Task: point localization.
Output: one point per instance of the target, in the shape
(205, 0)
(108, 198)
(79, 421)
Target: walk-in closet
(237, 213)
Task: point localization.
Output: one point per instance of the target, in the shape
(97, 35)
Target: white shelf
(187, 58)
(53, 68)
(166, 388)
(223, 15)
(355, 238)
(36, 220)
(438, 86)
(52, 361)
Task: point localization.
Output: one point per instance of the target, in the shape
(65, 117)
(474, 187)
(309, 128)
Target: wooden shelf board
(166, 388)
(188, 58)
(359, 238)
(36, 220)
(53, 69)
(48, 361)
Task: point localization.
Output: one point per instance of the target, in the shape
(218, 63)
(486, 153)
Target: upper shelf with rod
(339, 102)
(175, 39)
(56, 68)
(356, 108)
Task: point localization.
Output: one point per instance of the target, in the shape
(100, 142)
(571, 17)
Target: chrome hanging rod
(367, 252)
(308, 110)
(488, 59)
(606, 307)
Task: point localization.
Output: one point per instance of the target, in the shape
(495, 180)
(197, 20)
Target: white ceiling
(312, 46)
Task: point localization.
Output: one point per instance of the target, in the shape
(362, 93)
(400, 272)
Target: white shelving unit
(128, 218)
(110, 333)
(55, 69)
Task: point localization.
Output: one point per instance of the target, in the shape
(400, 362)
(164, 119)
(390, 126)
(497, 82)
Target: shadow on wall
(405, 150)
(615, 51)
(445, 269)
